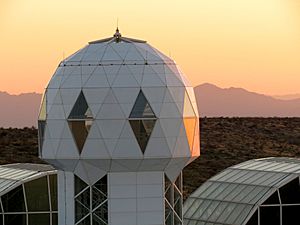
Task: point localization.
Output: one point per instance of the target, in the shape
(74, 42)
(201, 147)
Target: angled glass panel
(80, 133)
(254, 219)
(81, 109)
(97, 220)
(37, 195)
(190, 124)
(80, 121)
(290, 193)
(15, 219)
(97, 197)
(290, 215)
(142, 130)
(178, 202)
(169, 216)
(177, 220)
(86, 221)
(41, 133)
(54, 219)
(36, 219)
(43, 109)
(178, 182)
(273, 199)
(13, 201)
(53, 191)
(84, 198)
(270, 215)
(188, 110)
(102, 212)
(141, 108)
(101, 185)
(79, 185)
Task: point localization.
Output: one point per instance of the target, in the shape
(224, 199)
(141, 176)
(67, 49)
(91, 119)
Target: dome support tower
(120, 122)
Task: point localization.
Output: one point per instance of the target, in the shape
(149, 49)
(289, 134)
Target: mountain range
(22, 110)
(237, 102)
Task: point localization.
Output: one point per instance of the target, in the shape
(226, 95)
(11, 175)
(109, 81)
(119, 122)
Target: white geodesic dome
(118, 104)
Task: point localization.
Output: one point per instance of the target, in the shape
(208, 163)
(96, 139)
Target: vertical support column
(136, 198)
(66, 211)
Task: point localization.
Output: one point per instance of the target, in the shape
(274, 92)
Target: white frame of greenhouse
(28, 194)
(256, 192)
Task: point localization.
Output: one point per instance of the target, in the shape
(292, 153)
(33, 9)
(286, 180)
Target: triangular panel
(142, 108)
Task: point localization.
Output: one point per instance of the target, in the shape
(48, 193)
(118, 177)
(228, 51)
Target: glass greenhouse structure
(256, 192)
(28, 194)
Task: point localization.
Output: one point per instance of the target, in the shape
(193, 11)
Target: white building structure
(119, 119)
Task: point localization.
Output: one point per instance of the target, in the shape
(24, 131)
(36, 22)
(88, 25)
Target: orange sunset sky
(254, 44)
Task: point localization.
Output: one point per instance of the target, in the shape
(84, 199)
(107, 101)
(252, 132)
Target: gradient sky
(254, 44)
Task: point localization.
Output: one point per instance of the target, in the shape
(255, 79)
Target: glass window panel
(222, 174)
(290, 215)
(201, 189)
(226, 212)
(53, 191)
(270, 215)
(245, 192)
(218, 190)
(190, 124)
(142, 130)
(273, 199)
(15, 219)
(97, 197)
(178, 182)
(208, 191)
(80, 133)
(246, 176)
(13, 201)
(188, 110)
(141, 108)
(43, 110)
(80, 211)
(1, 219)
(234, 174)
(242, 216)
(79, 185)
(239, 177)
(256, 194)
(230, 189)
(39, 219)
(86, 221)
(210, 210)
(290, 193)
(233, 216)
(178, 203)
(177, 221)
(81, 109)
(266, 178)
(253, 220)
(54, 219)
(101, 185)
(102, 212)
(41, 132)
(201, 209)
(37, 195)
(97, 220)
(187, 204)
(194, 207)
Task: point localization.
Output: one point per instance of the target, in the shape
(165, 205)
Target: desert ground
(224, 142)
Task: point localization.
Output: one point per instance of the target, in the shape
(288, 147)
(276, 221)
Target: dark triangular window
(141, 108)
(80, 121)
(142, 120)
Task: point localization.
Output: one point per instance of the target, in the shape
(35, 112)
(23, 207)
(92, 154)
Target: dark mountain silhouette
(237, 102)
(22, 110)
(19, 110)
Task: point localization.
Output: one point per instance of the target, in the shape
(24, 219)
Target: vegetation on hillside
(224, 142)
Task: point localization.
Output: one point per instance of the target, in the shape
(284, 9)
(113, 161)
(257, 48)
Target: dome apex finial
(117, 35)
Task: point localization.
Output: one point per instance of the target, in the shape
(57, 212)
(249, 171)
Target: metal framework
(256, 192)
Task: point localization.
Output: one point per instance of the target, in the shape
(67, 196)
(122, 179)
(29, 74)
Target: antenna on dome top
(117, 35)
